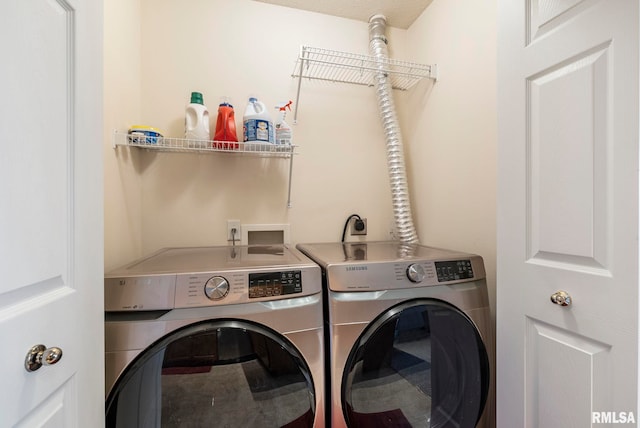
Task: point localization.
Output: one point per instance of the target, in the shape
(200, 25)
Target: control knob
(415, 273)
(216, 288)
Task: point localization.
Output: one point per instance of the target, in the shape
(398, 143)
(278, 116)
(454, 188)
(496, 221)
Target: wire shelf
(343, 67)
(171, 144)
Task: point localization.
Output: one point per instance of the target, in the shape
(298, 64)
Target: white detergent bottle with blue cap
(257, 124)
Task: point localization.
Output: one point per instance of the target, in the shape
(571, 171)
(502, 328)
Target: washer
(408, 336)
(215, 336)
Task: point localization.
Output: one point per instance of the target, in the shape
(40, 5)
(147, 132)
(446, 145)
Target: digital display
(270, 284)
(454, 270)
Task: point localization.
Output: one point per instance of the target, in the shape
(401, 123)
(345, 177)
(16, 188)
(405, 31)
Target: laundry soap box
(142, 134)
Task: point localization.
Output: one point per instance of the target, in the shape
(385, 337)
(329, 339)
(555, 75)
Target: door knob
(40, 355)
(561, 298)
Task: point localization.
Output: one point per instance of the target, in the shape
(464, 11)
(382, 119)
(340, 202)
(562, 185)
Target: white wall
(158, 51)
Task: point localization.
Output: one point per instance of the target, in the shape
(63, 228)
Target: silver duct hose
(395, 154)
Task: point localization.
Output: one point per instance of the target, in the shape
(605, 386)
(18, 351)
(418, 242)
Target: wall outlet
(358, 226)
(233, 231)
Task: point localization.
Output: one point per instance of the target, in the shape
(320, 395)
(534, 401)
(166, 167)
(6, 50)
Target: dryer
(215, 336)
(408, 336)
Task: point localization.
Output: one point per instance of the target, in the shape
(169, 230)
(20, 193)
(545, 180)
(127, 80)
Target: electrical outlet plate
(233, 224)
(358, 232)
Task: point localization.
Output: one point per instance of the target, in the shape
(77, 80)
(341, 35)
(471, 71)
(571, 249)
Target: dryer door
(421, 363)
(215, 374)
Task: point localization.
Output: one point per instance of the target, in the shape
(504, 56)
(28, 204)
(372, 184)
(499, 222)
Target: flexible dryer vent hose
(395, 153)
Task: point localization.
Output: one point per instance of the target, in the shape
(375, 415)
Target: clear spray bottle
(284, 134)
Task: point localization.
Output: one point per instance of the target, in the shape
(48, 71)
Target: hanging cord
(233, 236)
(346, 224)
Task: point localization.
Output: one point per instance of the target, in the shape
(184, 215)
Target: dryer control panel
(454, 270)
(392, 265)
(404, 274)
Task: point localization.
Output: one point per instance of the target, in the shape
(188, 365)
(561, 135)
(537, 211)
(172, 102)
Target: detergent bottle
(225, 126)
(283, 130)
(196, 122)
(257, 124)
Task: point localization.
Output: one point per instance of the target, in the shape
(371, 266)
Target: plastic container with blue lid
(142, 134)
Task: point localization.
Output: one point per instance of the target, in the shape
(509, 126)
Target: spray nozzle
(286, 106)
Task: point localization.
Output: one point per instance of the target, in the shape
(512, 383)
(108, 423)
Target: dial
(216, 288)
(415, 273)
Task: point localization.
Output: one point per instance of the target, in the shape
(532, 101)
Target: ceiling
(399, 13)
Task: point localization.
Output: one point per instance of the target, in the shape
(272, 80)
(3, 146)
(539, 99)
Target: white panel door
(51, 216)
(567, 212)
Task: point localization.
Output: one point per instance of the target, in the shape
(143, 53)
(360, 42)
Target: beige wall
(237, 49)
(122, 183)
(451, 129)
(158, 53)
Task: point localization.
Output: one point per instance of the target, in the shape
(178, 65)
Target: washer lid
(208, 259)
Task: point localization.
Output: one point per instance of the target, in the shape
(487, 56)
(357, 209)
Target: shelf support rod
(295, 113)
(302, 60)
(290, 175)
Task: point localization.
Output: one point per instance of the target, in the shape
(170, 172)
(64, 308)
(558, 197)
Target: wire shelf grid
(171, 144)
(344, 67)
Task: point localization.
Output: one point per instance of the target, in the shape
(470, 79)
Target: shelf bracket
(433, 72)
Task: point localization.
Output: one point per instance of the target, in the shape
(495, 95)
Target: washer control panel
(275, 283)
(232, 287)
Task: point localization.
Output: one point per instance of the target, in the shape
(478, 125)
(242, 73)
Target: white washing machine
(215, 336)
(408, 336)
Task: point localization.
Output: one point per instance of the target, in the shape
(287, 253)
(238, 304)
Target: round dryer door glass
(226, 373)
(420, 364)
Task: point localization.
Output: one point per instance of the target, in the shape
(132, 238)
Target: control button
(216, 288)
(415, 273)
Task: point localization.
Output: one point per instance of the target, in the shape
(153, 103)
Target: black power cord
(359, 225)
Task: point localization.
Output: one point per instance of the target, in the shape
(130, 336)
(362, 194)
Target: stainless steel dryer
(409, 342)
(215, 336)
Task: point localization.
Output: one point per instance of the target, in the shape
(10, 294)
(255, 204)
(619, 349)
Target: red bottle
(225, 128)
